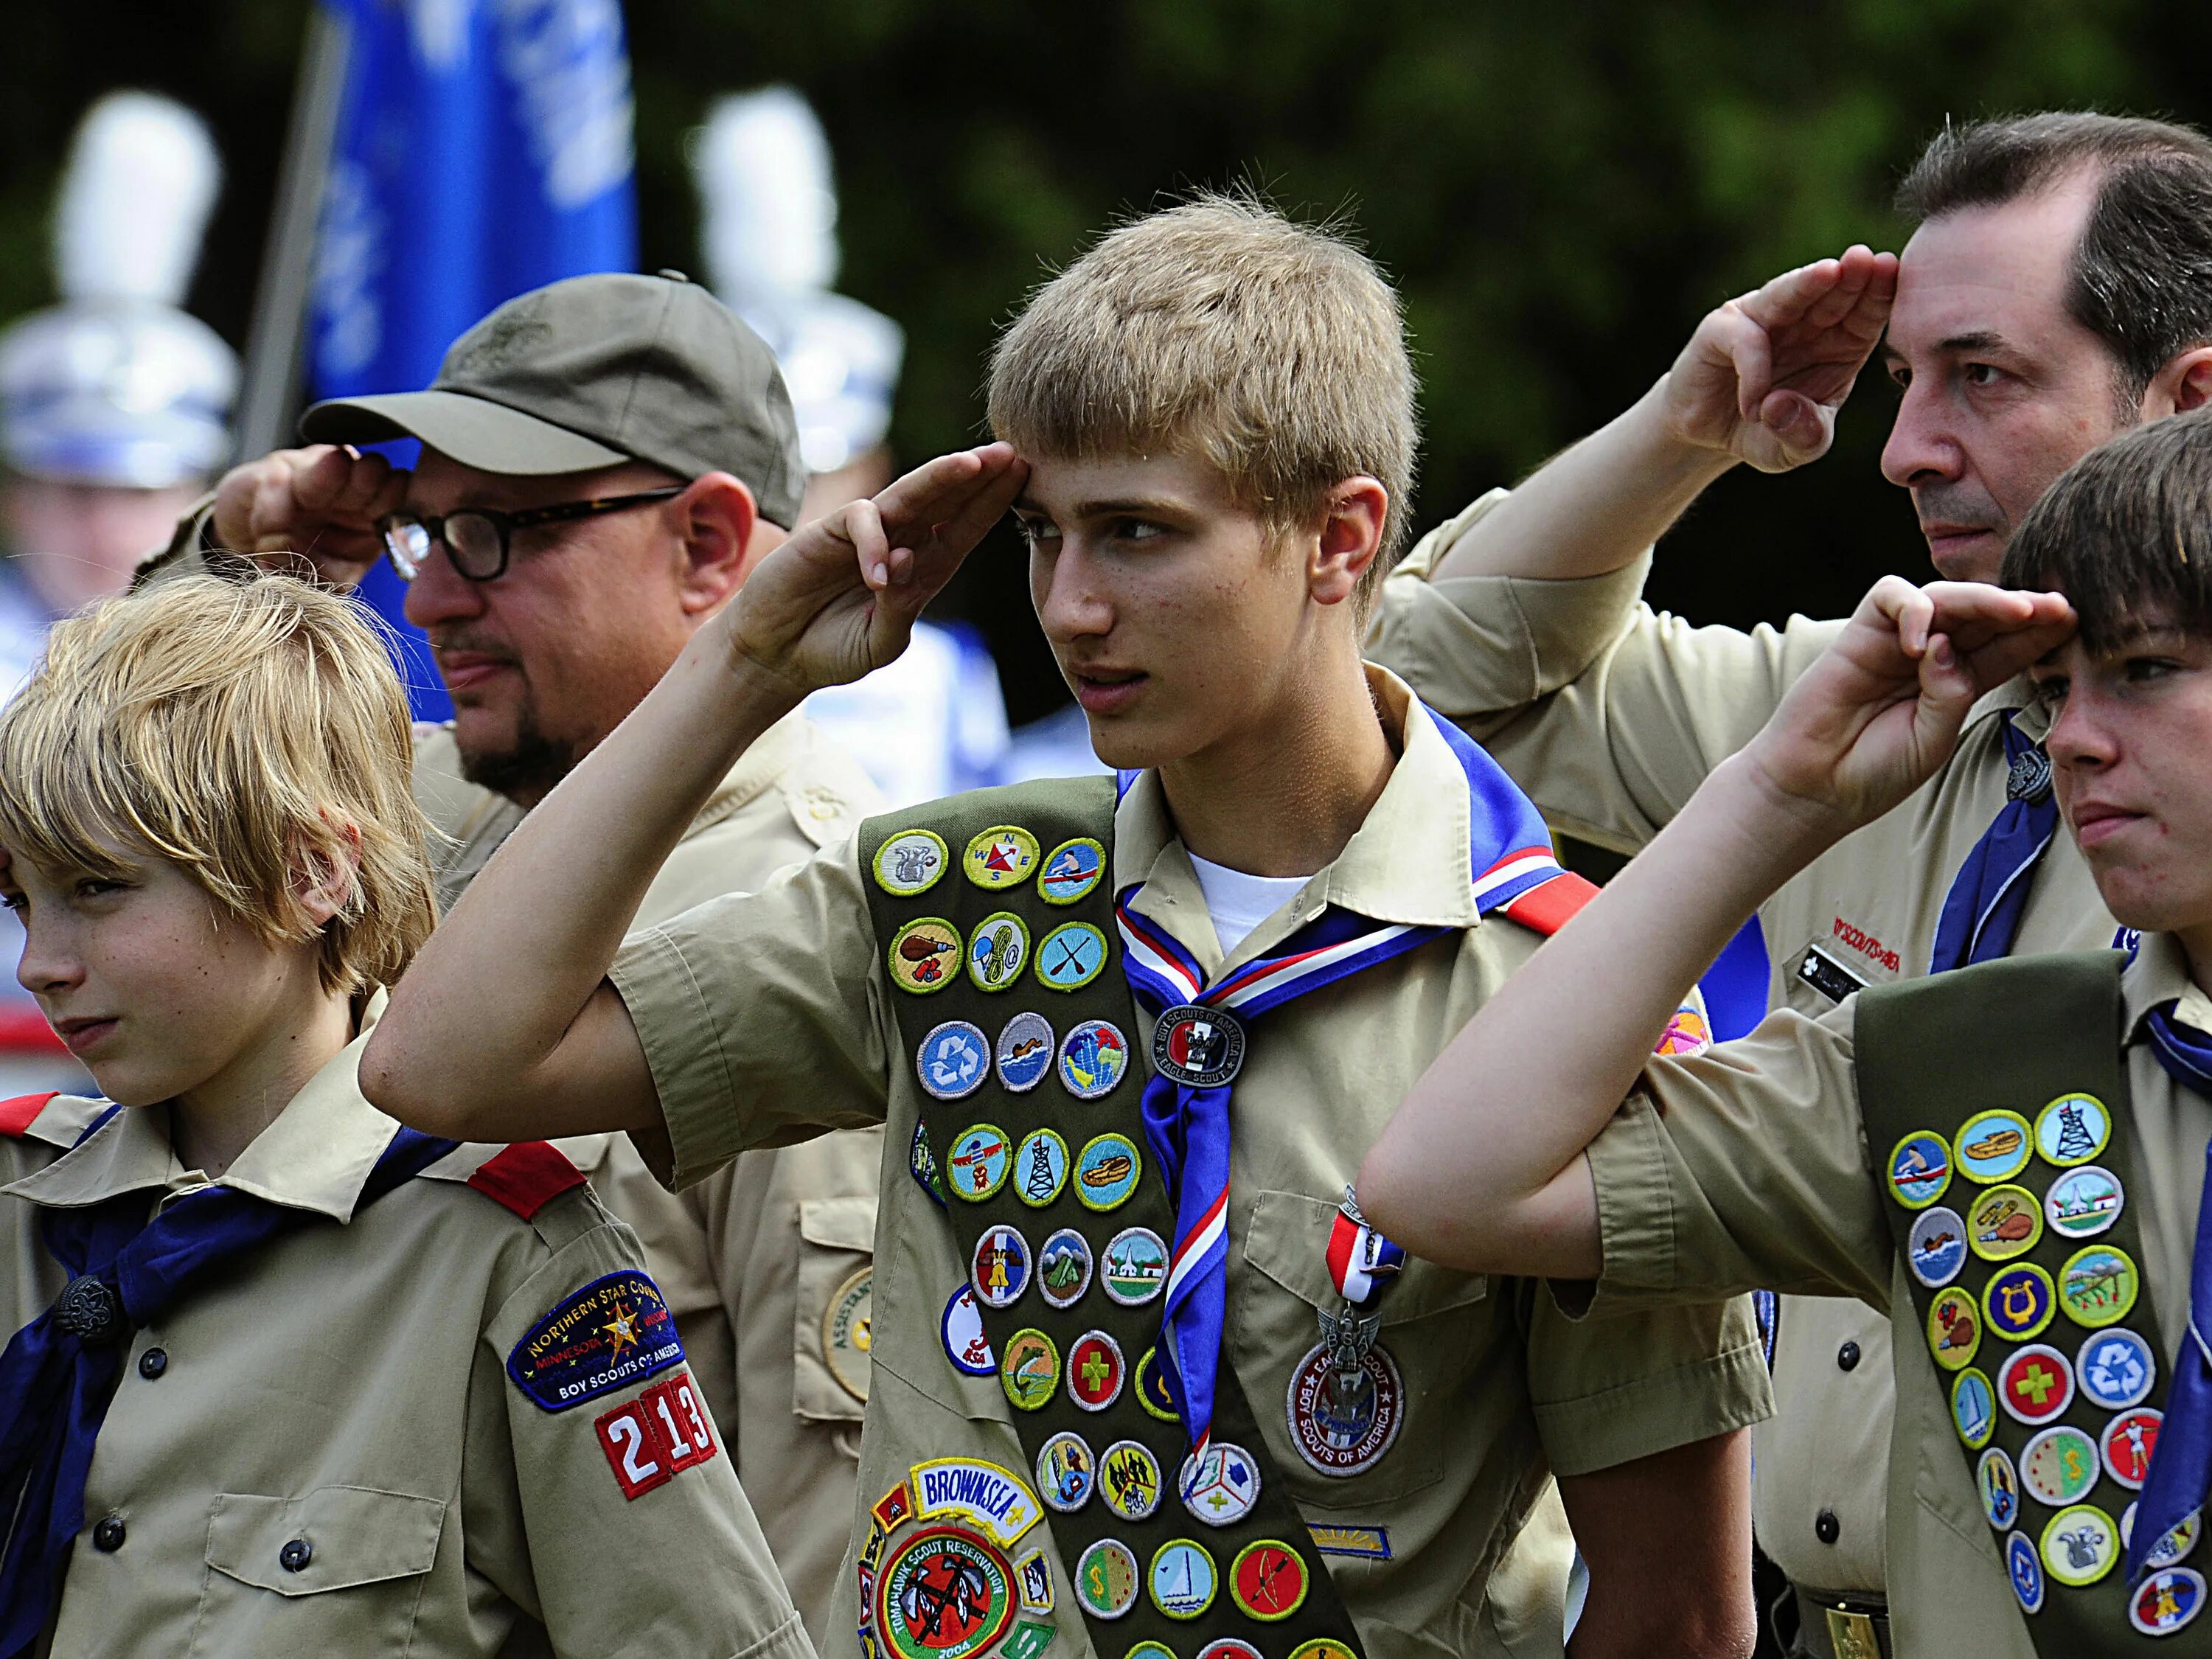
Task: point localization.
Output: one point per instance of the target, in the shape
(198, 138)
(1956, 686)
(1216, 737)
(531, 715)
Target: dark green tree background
(1560, 189)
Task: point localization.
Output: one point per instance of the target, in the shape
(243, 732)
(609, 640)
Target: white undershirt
(1239, 903)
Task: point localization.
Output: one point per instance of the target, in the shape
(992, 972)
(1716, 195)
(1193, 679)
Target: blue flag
(483, 149)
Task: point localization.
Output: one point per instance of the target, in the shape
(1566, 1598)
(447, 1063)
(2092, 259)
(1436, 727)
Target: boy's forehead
(1066, 486)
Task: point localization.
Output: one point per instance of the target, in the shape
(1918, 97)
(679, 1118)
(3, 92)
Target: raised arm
(505, 1028)
(1481, 1168)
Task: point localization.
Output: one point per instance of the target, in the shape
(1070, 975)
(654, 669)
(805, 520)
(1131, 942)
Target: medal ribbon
(1987, 897)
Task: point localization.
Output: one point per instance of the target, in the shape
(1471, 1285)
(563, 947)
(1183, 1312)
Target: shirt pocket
(1275, 1325)
(832, 1327)
(339, 1568)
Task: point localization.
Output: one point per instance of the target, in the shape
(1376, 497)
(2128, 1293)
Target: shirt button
(295, 1555)
(107, 1536)
(1847, 1357)
(1826, 1527)
(153, 1362)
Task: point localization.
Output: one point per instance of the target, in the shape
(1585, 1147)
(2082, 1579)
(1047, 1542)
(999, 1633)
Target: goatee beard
(525, 771)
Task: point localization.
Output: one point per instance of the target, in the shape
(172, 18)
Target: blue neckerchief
(1981, 911)
(2180, 1473)
(55, 1386)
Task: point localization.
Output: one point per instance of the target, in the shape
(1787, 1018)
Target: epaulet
(526, 1177)
(1551, 905)
(17, 1115)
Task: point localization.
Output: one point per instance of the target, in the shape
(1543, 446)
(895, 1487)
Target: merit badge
(2166, 1600)
(2003, 1222)
(999, 1268)
(981, 1157)
(2082, 1203)
(1228, 1647)
(1937, 1248)
(1096, 1372)
(1094, 1058)
(2116, 1369)
(1001, 856)
(2019, 1302)
(910, 862)
(921, 1164)
(1028, 1371)
(922, 955)
(1199, 1047)
(1153, 1651)
(1998, 1483)
(2172, 1550)
(1106, 1578)
(1040, 1167)
(1268, 1581)
(1129, 1481)
(1182, 1578)
(1071, 871)
(1954, 1328)
(2081, 1545)
(614, 1331)
(1994, 1146)
(1033, 1580)
(1973, 1408)
(2025, 1571)
(2035, 1384)
(1066, 1472)
(1070, 956)
(848, 1332)
(1064, 1268)
(1220, 1485)
(1136, 1267)
(962, 1330)
(1919, 1170)
(1107, 1170)
(2099, 1286)
(1346, 1401)
(969, 1489)
(2127, 1443)
(998, 950)
(1322, 1647)
(943, 1593)
(2058, 1466)
(1024, 1052)
(953, 1060)
(2073, 1129)
(1154, 1392)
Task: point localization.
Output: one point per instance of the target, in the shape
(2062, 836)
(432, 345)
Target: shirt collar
(2160, 975)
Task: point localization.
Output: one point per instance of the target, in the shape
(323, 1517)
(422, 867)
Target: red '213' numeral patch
(661, 1433)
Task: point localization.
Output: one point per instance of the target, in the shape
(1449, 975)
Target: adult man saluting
(2058, 291)
(604, 460)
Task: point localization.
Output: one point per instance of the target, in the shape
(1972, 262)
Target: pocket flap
(332, 1538)
(1287, 1239)
(839, 1224)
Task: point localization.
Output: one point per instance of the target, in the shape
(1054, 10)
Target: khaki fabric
(1748, 1165)
(346, 1385)
(1610, 715)
(767, 1017)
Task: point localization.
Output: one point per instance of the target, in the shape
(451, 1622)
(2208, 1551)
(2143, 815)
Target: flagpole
(270, 400)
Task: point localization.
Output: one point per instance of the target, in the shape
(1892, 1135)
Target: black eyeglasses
(476, 537)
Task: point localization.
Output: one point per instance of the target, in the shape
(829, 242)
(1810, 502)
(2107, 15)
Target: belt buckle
(1852, 1635)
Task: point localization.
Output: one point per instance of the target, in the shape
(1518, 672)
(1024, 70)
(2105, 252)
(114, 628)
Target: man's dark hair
(2126, 533)
(2142, 271)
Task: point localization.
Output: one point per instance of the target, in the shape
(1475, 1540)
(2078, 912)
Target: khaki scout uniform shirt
(1754, 1170)
(1610, 715)
(345, 1385)
(766, 1016)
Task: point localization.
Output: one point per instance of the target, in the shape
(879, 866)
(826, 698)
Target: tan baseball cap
(593, 372)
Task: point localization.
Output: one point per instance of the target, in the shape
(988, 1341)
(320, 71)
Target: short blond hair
(237, 729)
(1274, 351)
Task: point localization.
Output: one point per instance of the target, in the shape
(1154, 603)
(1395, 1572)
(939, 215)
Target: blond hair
(1274, 351)
(240, 729)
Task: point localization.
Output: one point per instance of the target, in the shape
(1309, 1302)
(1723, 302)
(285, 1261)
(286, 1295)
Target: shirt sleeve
(762, 1014)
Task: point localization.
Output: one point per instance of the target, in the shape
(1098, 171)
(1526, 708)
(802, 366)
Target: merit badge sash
(2008, 1173)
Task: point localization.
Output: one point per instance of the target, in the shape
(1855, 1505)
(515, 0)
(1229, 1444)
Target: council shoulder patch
(614, 1331)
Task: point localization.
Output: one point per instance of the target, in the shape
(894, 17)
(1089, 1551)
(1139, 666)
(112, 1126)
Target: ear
(715, 519)
(1352, 516)
(2185, 383)
(324, 878)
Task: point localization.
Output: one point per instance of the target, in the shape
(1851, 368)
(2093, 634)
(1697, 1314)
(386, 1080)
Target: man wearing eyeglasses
(604, 460)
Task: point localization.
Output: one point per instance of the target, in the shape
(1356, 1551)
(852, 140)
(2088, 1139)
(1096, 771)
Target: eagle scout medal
(1064, 1268)
(921, 1164)
(2115, 1369)
(1268, 1581)
(1070, 957)
(943, 1593)
(2126, 1446)
(2003, 1222)
(1071, 871)
(847, 1332)
(999, 1268)
(1345, 1402)
(998, 950)
(1220, 1485)
(2082, 1203)
(1024, 1052)
(1973, 1408)
(980, 1158)
(1129, 1481)
(2099, 1286)
(1919, 1170)
(1182, 1578)
(1107, 1170)
(1954, 1330)
(2073, 1129)
(1096, 1372)
(962, 1330)
(1136, 1267)
(923, 954)
(2059, 1467)
(954, 1060)
(1937, 1248)
(1998, 1483)
(1001, 856)
(1028, 1371)
(1198, 1047)
(1040, 1167)
(1066, 1472)
(2025, 1569)
(1994, 1146)
(2166, 1600)
(2019, 1302)
(2035, 1384)
(1094, 1058)
(2081, 1545)
(910, 862)
(1153, 1393)
(1106, 1578)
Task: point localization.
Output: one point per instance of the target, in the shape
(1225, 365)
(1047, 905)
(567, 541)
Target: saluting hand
(1764, 375)
(320, 504)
